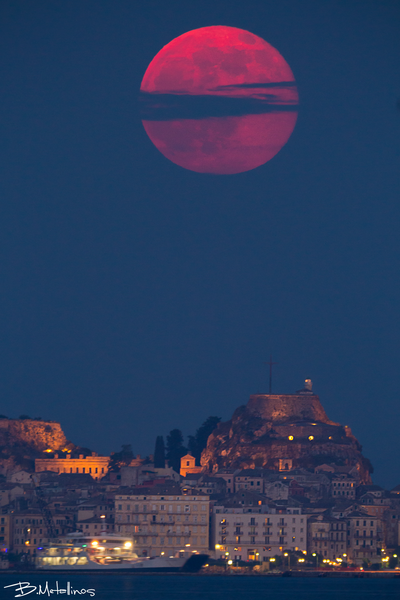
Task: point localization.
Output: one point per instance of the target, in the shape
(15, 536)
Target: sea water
(193, 587)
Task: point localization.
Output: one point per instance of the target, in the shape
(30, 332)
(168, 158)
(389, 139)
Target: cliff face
(274, 427)
(23, 440)
(37, 435)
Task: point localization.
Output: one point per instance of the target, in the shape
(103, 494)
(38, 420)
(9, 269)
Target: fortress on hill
(281, 432)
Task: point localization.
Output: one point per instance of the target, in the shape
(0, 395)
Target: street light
(288, 555)
(316, 558)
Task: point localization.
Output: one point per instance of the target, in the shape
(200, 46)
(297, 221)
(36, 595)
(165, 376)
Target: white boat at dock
(109, 552)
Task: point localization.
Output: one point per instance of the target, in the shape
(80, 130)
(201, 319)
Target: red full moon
(222, 100)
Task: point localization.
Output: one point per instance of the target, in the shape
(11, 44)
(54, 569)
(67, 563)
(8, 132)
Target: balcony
(324, 539)
(162, 534)
(365, 545)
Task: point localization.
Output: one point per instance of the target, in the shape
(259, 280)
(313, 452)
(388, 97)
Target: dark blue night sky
(137, 296)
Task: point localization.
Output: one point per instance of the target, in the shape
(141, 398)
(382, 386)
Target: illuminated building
(163, 519)
(188, 463)
(245, 527)
(94, 465)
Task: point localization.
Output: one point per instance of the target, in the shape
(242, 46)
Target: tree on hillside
(159, 453)
(198, 442)
(120, 459)
(175, 449)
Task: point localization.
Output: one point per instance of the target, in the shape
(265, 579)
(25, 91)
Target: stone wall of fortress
(39, 435)
(281, 407)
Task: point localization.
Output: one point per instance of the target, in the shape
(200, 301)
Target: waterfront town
(304, 507)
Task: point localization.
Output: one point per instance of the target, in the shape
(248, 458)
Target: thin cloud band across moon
(218, 100)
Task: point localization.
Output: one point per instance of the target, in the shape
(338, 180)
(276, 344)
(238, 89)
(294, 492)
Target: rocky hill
(272, 428)
(23, 440)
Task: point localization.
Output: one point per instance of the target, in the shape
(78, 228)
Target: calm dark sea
(178, 587)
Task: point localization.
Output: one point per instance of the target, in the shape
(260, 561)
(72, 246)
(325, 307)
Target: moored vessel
(110, 552)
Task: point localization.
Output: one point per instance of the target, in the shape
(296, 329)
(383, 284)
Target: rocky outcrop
(271, 428)
(23, 440)
(38, 435)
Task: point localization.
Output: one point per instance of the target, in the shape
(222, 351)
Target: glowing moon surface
(219, 100)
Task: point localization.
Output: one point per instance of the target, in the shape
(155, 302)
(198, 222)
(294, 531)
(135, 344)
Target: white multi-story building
(328, 537)
(163, 520)
(255, 530)
(364, 537)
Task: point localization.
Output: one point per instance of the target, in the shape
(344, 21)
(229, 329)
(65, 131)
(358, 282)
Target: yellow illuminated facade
(96, 466)
(188, 465)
